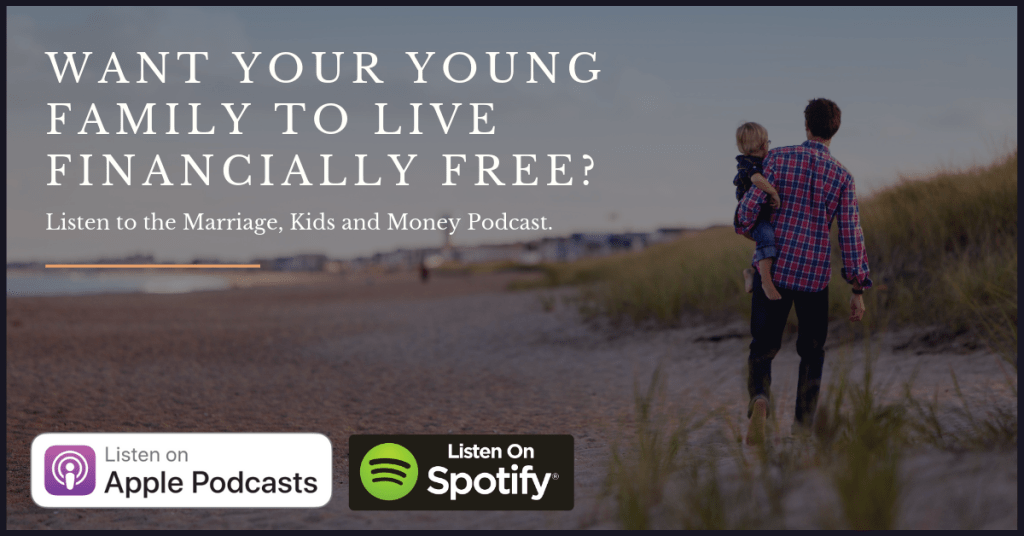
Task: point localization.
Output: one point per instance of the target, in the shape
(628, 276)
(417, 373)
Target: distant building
(491, 253)
(131, 259)
(593, 244)
(398, 259)
(298, 263)
(668, 234)
(560, 249)
(628, 241)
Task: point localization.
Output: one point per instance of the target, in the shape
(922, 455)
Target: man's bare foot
(769, 289)
(748, 280)
(755, 430)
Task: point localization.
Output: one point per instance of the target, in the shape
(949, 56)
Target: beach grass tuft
(867, 449)
(639, 470)
(663, 476)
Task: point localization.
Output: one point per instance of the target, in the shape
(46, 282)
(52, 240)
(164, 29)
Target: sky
(919, 88)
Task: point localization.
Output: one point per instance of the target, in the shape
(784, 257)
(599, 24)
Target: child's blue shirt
(746, 167)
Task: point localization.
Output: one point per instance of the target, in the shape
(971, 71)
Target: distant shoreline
(38, 283)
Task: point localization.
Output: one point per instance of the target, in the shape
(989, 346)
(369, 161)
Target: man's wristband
(858, 291)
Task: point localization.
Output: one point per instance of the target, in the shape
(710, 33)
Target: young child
(752, 140)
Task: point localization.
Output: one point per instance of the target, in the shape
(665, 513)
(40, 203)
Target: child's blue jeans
(764, 235)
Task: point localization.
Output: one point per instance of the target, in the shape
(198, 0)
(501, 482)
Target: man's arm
(851, 240)
(748, 210)
(759, 181)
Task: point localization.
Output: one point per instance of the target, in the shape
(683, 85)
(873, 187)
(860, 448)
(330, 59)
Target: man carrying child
(815, 189)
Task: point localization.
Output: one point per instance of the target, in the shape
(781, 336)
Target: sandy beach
(466, 357)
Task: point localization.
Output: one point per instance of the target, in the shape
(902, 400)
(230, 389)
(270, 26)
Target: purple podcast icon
(70, 470)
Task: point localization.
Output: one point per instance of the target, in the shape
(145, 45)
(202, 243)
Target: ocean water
(65, 284)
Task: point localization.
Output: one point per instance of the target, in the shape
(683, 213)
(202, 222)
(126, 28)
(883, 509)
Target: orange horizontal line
(153, 266)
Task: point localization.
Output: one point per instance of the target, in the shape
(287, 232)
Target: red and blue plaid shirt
(814, 188)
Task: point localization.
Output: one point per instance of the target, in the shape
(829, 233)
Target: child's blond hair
(750, 137)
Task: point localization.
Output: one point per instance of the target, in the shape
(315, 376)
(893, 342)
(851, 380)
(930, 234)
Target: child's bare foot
(755, 430)
(770, 290)
(748, 280)
(764, 266)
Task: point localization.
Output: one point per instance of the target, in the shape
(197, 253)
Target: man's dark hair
(823, 118)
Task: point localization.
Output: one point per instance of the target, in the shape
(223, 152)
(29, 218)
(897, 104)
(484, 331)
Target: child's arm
(758, 180)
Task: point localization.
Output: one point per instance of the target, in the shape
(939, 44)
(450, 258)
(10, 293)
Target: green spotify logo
(389, 471)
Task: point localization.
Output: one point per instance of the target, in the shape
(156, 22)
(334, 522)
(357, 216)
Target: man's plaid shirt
(814, 189)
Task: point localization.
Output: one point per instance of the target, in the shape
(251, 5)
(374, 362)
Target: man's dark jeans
(767, 321)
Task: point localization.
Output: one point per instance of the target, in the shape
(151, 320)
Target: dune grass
(867, 451)
(942, 250)
(659, 478)
(699, 272)
(862, 434)
(637, 476)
